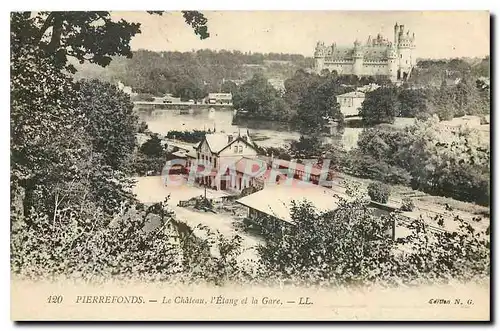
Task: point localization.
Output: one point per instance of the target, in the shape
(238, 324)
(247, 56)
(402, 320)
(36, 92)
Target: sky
(439, 34)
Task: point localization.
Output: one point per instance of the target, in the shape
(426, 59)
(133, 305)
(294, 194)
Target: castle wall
(396, 64)
(375, 69)
(366, 69)
(342, 68)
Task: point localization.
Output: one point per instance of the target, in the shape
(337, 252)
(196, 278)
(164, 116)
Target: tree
(144, 244)
(46, 129)
(352, 246)
(306, 147)
(380, 106)
(111, 123)
(467, 98)
(297, 85)
(110, 127)
(259, 99)
(152, 147)
(431, 158)
(68, 147)
(46, 124)
(229, 87)
(379, 192)
(407, 204)
(318, 106)
(87, 36)
(412, 103)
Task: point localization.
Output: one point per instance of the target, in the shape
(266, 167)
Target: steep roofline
(239, 138)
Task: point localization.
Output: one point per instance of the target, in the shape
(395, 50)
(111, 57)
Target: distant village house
(219, 98)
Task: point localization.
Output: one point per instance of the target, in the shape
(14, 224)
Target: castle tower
(413, 48)
(357, 68)
(405, 50)
(396, 28)
(392, 63)
(319, 57)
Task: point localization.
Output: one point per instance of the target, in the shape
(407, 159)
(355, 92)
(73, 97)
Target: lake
(265, 133)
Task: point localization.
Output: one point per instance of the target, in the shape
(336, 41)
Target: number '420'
(54, 299)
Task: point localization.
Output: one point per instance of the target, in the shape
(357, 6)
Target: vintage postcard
(250, 165)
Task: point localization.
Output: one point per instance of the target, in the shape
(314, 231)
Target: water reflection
(264, 133)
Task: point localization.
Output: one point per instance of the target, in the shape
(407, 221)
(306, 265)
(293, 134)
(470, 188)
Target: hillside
(433, 72)
(193, 74)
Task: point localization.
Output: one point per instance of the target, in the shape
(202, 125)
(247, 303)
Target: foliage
(258, 99)
(72, 212)
(379, 192)
(75, 218)
(366, 166)
(111, 121)
(451, 87)
(182, 73)
(144, 97)
(351, 246)
(412, 102)
(143, 127)
(229, 87)
(247, 191)
(317, 106)
(150, 158)
(196, 20)
(306, 147)
(89, 244)
(88, 36)
(203, 203)
(45, 126)
(194, 136)
(380, 106)
(142, 243)
(152, 147)
(407, 204)
(437, 161)
(297, 85)
(432, 72)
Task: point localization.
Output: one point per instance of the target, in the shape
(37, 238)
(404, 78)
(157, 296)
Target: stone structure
(377, 57)
(350, 103)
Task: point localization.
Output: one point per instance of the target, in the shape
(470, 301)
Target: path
(152, 190)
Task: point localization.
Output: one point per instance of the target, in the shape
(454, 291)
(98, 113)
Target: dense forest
(192, 74)
(433, 72)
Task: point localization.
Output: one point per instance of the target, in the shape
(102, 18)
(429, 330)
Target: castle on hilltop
(377, 57)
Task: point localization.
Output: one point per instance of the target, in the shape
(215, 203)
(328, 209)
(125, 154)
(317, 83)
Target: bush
(407, 204)
(361, 165)
(152, 147)
(194, 136)
(143, 127)
(247, 191)
(349, 246)
(145, 97)
(203, 203)
(379, 192)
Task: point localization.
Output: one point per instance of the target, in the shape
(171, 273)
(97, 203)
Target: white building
(277, 200)
(222, 151)
(126, 89)
(219, 98)
(368, 88)
(350, 103)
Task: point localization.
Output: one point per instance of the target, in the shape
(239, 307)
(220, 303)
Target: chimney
(229, 138)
